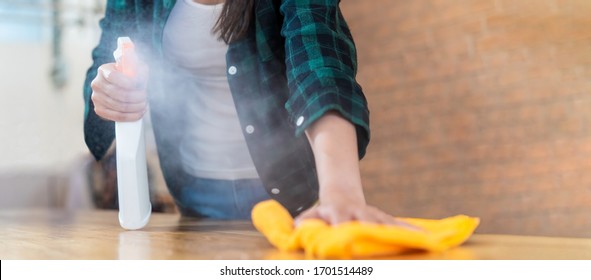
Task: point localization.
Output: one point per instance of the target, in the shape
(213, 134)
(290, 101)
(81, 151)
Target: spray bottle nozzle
(125, 57)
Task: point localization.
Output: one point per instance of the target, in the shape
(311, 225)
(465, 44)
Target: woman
(233, 87)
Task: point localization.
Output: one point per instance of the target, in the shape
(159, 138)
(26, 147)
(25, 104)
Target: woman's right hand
(117, 97)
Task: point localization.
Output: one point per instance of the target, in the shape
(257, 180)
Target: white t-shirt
(213, 145)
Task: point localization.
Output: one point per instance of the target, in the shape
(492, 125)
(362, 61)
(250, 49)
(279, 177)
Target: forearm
(334, 143)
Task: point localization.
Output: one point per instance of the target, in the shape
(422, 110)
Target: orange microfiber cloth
(357, 239)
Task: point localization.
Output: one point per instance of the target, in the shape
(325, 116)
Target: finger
(118, 79)
(400, 223)
(117, 93)
(127, 96)
(382, 217)
(121, 94)
(311, 213)
(387, 219)
(335, 217)
(104, 100)
(106, 69)
(367, 217)
(111, 115)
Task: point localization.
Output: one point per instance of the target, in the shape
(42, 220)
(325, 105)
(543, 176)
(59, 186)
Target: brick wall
(479, 107)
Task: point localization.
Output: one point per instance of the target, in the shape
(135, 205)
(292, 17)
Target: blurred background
(479, 107)
(44, 52)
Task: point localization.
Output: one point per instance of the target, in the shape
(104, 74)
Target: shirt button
(249, 129)
(232, 70)
(300, 121)
(275, 191)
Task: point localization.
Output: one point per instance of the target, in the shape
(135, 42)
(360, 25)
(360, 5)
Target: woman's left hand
(339, 209)
(334, 143)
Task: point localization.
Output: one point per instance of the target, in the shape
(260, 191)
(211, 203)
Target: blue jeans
(220, 199)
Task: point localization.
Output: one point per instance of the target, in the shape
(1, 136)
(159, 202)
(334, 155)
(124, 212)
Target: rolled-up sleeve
(321, 66)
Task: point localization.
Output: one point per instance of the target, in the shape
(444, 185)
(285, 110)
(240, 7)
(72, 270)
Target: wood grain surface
(42, 234)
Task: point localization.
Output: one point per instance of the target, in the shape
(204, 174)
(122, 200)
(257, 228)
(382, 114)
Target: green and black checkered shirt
(297, 62)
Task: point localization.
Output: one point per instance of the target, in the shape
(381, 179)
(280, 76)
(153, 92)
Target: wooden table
(37, 234)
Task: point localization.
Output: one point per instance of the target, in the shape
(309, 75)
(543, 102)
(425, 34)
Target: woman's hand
(117, 97)
(341, 199)
(341, 209)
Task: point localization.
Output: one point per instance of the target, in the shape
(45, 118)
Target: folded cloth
(358, 239)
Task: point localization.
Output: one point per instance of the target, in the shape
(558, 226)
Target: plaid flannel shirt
(297, 62)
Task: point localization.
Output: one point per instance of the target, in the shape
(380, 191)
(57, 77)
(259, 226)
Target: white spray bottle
(132, 176)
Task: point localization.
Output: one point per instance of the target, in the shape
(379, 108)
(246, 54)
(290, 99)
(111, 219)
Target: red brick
(479, 107)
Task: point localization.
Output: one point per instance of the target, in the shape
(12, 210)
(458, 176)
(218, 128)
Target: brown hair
(235, 20)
